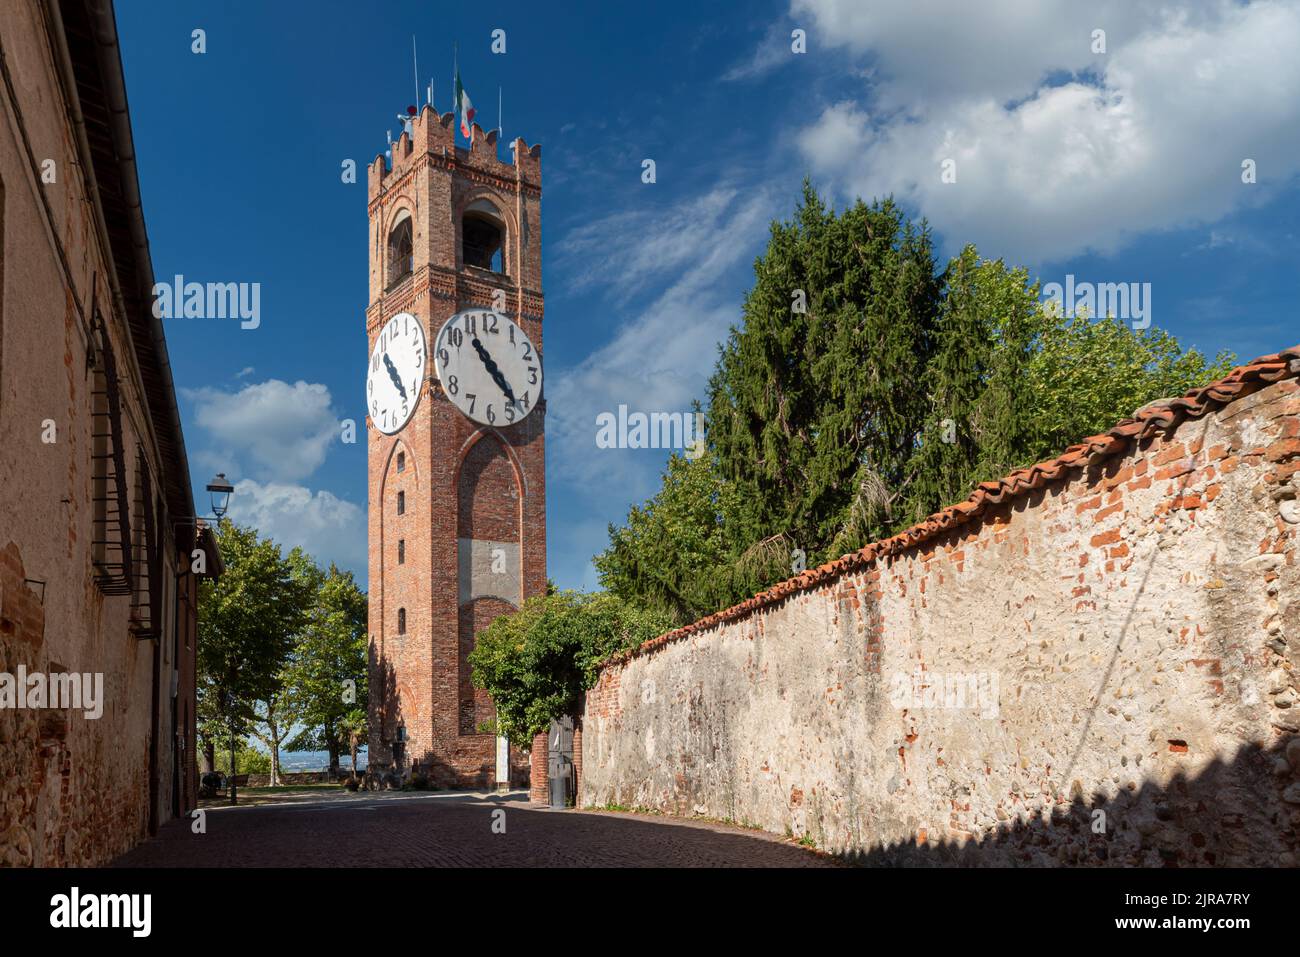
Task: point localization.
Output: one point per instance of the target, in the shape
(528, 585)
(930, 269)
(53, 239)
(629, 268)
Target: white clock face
(488, 367)
(396, 373)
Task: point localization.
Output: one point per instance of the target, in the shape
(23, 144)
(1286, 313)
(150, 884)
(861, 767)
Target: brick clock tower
(454, 437)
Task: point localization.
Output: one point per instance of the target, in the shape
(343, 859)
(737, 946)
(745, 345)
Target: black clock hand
(392, 374)
(493, 370)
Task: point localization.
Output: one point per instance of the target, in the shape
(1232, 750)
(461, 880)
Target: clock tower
(454, 437)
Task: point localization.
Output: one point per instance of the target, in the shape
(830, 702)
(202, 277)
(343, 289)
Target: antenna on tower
(500, 133)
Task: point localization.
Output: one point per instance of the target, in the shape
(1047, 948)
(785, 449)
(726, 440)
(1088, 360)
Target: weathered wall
(73, 790)
(1121, 638)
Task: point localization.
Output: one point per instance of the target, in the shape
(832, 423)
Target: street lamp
(219, 489)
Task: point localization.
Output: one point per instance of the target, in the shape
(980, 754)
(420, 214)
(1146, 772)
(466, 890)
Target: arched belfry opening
(483, 237)
(401, 249)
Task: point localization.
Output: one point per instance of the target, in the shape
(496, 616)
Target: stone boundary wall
(1092, 661)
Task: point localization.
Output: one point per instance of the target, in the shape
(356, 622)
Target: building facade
(457, 505)
(99, 548)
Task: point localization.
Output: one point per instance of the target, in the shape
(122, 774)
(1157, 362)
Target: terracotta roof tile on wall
(1152, 419)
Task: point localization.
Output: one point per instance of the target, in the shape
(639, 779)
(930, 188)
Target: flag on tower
(464, 107)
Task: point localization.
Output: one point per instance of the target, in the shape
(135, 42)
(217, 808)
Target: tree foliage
(537, 662)
(804, 400)
(893, 394)
(249, 619)
(327, 673)
(278, 639)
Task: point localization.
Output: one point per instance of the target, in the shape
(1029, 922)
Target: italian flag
(464, 107)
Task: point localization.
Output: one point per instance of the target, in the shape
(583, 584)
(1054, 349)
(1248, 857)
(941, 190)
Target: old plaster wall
(1101, 669)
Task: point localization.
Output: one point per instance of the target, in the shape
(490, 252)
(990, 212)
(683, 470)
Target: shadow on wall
(1228, 815)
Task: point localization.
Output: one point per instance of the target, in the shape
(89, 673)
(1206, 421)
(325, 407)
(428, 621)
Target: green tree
(326, 676)
(806, 405)
(1086, 375)
(536, 663)
(831, 405)
(248, 621)
(352, 729)
(678, 552)
(977, 425)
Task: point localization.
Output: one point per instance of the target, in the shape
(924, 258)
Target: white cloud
(325, 526)
(774, 51)
(661, 358)
(273, 429)
(624, 252)
(1150, 136)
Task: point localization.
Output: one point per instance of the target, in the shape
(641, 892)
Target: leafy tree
(326, 676)
(804, 404)
(1086, 375)
(536, 663)
(247, 760)
(977, 426)
(678, 552)
(829, 426)
(248, 620)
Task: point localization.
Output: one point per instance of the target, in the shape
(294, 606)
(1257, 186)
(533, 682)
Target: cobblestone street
(447, 829)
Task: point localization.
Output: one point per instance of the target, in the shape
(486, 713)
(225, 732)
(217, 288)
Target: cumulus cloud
(272, 429)
(325, 526)
(1057, 149)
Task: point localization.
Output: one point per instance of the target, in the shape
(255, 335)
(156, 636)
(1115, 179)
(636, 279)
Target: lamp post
(219, 489)
(228, 705)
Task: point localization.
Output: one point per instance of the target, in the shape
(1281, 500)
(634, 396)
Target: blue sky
(1122, 166)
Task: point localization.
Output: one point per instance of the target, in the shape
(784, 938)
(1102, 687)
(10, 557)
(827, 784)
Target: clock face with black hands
(396, 373)
(488, 367)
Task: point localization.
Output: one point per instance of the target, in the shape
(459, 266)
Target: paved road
(453, 830)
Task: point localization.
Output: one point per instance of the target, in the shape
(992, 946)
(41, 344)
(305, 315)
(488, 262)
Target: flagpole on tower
(455, 72)
(500, 132)
(415, 63)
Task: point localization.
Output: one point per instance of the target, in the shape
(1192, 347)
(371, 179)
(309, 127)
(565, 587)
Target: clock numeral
(472, 399)
(528, 351)
(490, 324)
(511, 327)
(532, 375)
(523, 402)
(455, 337)
(491, 416)
(444, 356)
(452, 385)
(510, 412)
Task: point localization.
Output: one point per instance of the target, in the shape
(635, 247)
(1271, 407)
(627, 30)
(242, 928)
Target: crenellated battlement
(433, 136)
